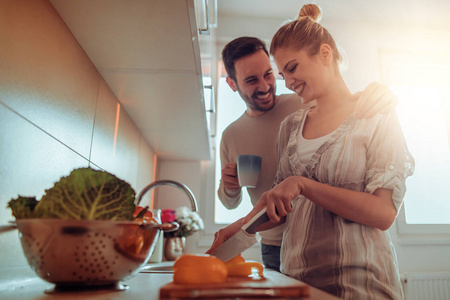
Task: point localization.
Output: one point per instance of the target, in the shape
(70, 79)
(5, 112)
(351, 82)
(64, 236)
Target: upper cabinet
(149, 54)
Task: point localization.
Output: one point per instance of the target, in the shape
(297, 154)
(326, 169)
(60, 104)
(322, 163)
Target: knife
(243, 239)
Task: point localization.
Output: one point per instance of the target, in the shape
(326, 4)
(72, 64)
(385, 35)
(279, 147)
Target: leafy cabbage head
(87, 194)
(23, 207)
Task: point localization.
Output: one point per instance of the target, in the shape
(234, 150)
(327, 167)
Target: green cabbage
(85, 194)
(23, 207)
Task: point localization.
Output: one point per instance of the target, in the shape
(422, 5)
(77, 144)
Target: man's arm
(229, 192)
(376, 98)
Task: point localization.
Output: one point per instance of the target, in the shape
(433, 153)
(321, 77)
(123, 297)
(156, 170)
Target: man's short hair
(239, 48)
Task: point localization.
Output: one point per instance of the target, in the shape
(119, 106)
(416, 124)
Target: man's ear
(326, 54)
(232, 83)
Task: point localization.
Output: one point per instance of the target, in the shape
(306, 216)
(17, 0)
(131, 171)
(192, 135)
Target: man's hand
(230, 177)
(376, 98)
(224, 234)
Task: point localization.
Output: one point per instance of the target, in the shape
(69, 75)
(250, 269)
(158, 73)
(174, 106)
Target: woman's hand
(278, 200)
(224, 234)
(376, 98)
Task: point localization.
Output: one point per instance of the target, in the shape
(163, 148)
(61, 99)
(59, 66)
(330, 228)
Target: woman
(340, 180)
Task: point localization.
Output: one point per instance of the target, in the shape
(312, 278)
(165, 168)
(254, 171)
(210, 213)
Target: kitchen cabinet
(148, 52)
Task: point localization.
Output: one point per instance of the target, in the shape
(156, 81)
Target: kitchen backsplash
(56, 114)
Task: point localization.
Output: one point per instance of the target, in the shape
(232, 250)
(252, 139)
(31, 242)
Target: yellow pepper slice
(245, 269)
(237, 259)
(238, 267)
(199, 269)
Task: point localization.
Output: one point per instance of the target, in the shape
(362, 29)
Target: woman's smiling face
(304, 74)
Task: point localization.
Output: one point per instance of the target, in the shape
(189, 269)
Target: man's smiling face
(255, 82)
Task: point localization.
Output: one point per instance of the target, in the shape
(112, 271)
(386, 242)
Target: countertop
(23, 284)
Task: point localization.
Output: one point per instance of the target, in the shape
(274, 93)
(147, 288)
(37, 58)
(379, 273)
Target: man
(250, 73)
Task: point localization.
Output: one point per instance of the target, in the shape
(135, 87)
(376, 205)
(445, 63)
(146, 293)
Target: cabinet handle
(212, 111)
(205, 31)
(212, 104)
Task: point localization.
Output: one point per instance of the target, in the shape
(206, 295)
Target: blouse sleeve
(282, 142)
(389, 162)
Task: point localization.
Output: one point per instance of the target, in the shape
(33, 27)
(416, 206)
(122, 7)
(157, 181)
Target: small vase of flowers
(189, 221)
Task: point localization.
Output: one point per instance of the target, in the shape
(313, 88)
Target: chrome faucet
(172, 183)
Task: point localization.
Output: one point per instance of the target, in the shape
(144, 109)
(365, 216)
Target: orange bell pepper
(238, 267)
(245, 269)
(237, 259)
(199, 269)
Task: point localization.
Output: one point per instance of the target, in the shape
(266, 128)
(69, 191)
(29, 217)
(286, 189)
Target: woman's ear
(326, 54)
(231, 83)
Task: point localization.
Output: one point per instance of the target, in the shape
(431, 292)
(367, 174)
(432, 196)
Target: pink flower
(167, 215)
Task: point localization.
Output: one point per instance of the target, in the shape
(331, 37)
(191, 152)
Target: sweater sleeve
(229, 199)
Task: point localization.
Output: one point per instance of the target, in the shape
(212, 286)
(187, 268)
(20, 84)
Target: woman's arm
(375, 210)
(225, 233)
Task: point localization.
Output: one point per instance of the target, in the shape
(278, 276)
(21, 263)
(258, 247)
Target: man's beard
(254, 102)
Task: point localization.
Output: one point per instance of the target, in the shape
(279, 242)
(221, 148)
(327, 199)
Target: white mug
(248, 168)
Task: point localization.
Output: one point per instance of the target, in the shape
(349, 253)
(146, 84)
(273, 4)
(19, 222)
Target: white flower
(182, 212)
(189, 221)
(198, 220)
(195, 217)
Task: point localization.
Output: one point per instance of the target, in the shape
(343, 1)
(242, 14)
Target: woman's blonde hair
(305, 33)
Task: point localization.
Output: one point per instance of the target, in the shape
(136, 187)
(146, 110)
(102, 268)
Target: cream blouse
(308, 146)
(344, 258)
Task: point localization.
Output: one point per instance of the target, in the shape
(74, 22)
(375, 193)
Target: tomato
(148, 216)
(133, 244)
(199, 269)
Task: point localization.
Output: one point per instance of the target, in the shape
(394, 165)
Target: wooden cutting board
(272, 285)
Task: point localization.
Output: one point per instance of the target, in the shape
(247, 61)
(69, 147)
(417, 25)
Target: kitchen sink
(162, 267)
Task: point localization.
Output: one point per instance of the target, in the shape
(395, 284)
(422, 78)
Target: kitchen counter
(23, 284)
(30, 287)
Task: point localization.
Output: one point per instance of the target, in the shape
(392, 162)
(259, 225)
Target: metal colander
(87, 253)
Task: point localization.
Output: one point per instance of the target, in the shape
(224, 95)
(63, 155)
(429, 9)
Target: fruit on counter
(132, 244)
(135, 241)
(245, 269)
(238, 267)
(205, 268)
(237, 259)
(199, 269)
(143, 214)
(85, 194)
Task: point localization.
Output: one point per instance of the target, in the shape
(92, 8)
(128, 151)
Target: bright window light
(421, 112)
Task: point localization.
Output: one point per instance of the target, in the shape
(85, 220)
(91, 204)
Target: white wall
(56, 114)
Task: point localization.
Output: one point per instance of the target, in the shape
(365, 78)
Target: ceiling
(149, 55)
(398, 11)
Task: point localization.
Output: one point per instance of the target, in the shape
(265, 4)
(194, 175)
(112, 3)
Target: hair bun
(311, 11)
